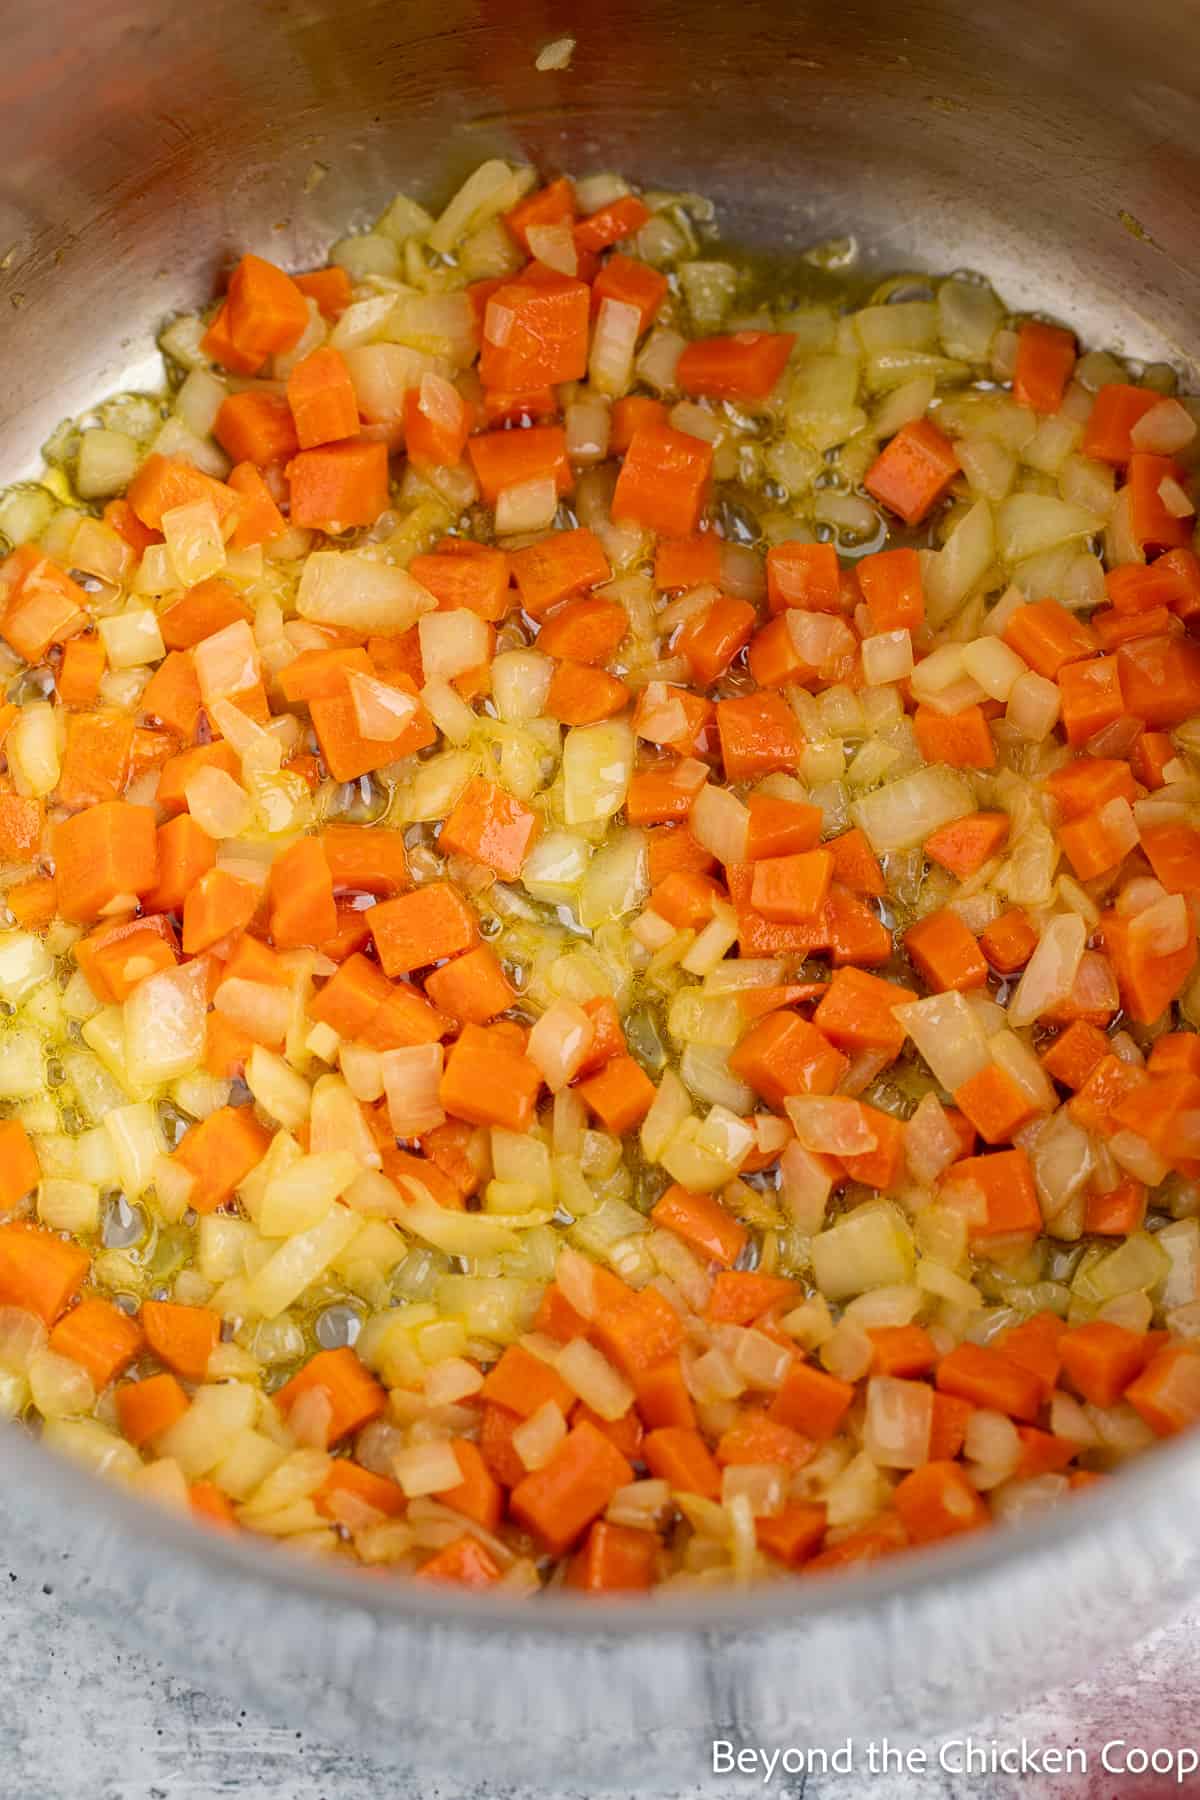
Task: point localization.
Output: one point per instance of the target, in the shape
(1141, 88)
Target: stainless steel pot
(1052, 146)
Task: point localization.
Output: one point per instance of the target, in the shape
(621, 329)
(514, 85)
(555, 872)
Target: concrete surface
(82, 1719)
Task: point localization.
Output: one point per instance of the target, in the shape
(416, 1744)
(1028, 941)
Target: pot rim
(786, 1601)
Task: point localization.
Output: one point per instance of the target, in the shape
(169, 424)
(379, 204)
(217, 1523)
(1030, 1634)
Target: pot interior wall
(142, 144)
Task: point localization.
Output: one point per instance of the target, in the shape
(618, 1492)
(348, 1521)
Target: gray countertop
(83, 1718)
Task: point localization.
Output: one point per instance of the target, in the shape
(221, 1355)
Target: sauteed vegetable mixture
(601, 868)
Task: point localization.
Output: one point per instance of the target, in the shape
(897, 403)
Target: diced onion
(526, 506)
(357, 593)
(411, 1080)
(1050, 972)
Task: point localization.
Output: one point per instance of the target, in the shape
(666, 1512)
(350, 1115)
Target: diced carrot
(553, 569)
(106, 853)
(182, 1337)
(759, 733)
(681, 1458)
(1048, 637)
(949, 1426)
(1091, 697)
(226, 1048)
(854, 931)
(95, 764)
(963, 740)
(637, 1331)
(125, 522)
(219, 1152)
(44, 605)
(811, 1401)
(1087, 784)
(19, 1170)
(615, 1559)
(988, 1378)
(1009, 941)
(1100, 1360)
(1149, 756)
(893, 589)
(339, 485)
(1042, 1453)
(609, 1037)
(664, 792)
(474, 576)
(550, 205)
(508, 458)
(321, 674)
(300, 890)
(353, 1394)
(330, 288)
(1115, 411)
(995, 1105)
(1151, 524)
(369, 859)
(632, 283)
(856, 1013)
(99, 1336)
(496, 1428)
(745, 366)
(883, 1166)
(559, 1500)
(964, 846)
(186, 853)
(33, 903)
(804, 575)
(349, 1487)
(1113, 629)
(792, 889)
(938, 1501)
(83, 663)
(855, 865)
(739, 1298)
(701, 1221)
(1175, 1053)
(686, 562)
(914, 470)
(902, 1350)
(711, 639)
(685, 899)
(464, 1563)
(945, 953)
(145, 1409)
(535, 335)
(172, 695)
(347, 753)
(1167, 1391)
(629, 414)
(580, 695)
(164, 482)
(257, 427)
(259, 519)
(1075, 1054)
(422, 927)
(1160, 680)
(266, 310)
(218, 904)
(781, 827)
(671, 847)
(1006, 1183)
(218, 345)
(620, 1095)
(489, 1082)
(621, 218)
(664, 481)
(682, 723)
(1173, 851)
(1045, 359)
(21, 822)
(1148, 982)
(523, 1383)
(662, 1394)
(201, 612)
(320, 396)
(557, 1318)
(757, 1439)
(760, 937)
(1119, 1211)
(472, 988)
(793, 1535)
(114, 958)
